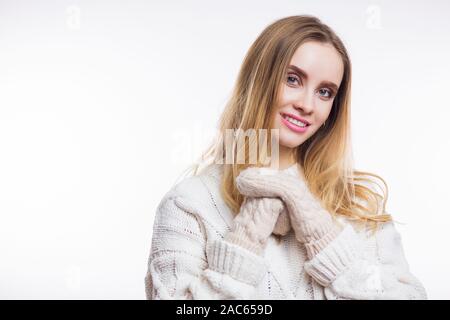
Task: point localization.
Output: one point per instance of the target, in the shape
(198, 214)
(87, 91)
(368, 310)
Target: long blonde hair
(326, 157)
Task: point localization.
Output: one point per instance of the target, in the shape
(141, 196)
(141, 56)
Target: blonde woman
(310, 228)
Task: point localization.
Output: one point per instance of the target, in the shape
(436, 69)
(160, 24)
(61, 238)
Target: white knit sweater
(190, 260)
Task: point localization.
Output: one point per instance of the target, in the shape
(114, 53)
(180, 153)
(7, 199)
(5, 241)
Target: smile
(294, 124)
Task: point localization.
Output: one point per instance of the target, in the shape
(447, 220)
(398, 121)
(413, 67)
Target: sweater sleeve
(184, 264)
(345, 270)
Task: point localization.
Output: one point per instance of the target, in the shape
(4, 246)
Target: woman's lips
(292, 126)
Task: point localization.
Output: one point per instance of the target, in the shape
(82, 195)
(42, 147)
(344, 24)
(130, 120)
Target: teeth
(296, 122)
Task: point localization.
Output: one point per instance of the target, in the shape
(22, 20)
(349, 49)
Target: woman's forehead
(319, 62)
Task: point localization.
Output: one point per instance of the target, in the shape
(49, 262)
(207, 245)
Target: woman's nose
(305, 103)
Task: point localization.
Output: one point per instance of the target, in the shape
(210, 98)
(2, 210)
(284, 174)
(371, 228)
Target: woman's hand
(313, 225)
(255, 222)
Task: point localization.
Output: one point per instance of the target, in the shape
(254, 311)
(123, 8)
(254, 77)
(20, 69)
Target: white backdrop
(104, 103)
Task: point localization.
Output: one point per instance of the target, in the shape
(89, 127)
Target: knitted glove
(313, 225)
(254, 223)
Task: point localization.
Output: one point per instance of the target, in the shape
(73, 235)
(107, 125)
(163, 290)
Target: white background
(104, 103)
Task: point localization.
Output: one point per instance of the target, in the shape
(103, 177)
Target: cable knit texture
(313, 225)
(255, 223)
(191, 258)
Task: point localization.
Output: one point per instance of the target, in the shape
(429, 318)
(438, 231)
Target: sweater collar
(293, 170)
(216, 170)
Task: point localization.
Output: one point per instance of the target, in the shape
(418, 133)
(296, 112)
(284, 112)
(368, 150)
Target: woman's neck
(286, 158)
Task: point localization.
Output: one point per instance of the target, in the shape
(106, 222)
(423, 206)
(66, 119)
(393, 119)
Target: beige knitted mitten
(313, 225)
(283, 225)
(254, 223)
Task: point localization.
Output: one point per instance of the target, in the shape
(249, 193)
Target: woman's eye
(326, 93)
(291, 79)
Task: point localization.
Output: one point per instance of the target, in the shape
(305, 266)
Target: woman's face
(307, 92)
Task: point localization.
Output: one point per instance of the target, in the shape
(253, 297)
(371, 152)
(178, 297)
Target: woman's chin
(289, 143)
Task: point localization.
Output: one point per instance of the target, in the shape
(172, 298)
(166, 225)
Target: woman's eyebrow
(305, 75)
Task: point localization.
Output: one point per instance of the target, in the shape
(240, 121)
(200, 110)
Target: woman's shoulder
(373, 235)
(200, 195)
(198, 185)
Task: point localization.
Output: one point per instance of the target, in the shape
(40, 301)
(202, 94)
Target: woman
(310, 228)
